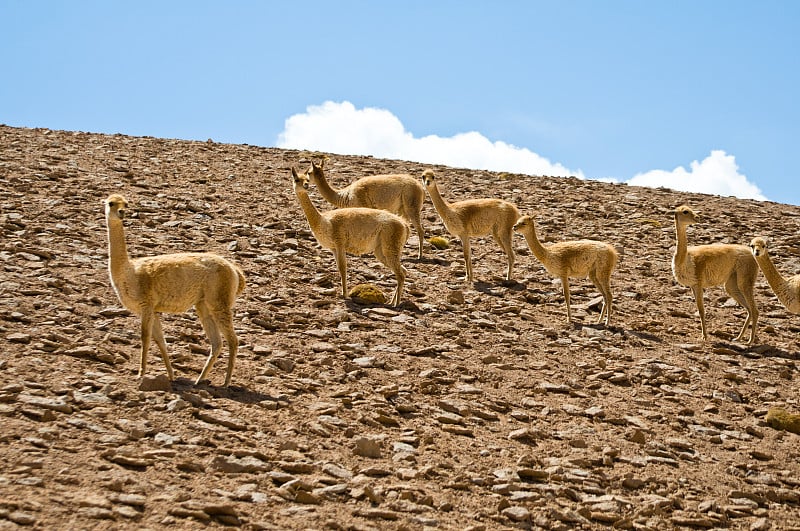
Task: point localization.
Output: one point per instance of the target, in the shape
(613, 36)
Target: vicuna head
(300, 181)
(686, 216)
(523, 223)
(428, 178)
(316, 172)
(759, 247)
(115, 206)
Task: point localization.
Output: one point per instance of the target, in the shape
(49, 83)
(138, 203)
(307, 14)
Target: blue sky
(692, 95)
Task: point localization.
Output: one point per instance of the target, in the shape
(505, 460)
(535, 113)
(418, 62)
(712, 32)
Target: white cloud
(341, 128)
(716, 174)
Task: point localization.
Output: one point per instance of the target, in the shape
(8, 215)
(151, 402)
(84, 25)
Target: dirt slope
(470, 407)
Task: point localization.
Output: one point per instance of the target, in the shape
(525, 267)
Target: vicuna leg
(212, 331)
(146, 334)
(609, 301)
(225, 320)
(467, 257)
(752, 313)
(420, 233)
(505, 241)
(744, 296)
(392, 261)
(400, 273)
(158, 335)
(411, 211)
(605, 291)
(698, 299)
(341, 264)
(565, 286)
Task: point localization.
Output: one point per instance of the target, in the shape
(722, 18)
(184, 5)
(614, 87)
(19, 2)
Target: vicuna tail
(240, 274)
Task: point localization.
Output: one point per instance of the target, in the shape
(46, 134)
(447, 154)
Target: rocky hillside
(468, 407)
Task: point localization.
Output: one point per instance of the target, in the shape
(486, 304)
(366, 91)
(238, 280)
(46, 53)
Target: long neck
(680, 250)
(774, 278)
(311, 212)
(335, 197)
(538, 250)
(441, 206)
(118, 260)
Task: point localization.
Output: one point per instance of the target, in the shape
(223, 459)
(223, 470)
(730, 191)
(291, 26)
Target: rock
(368, 447)
(222, 418)
(128, 459)
(159, 382)
(234, 465)
(135, 500)
(285, 364)
(548, 387)
(516, 513)
(377, 514)
(53, 404)
(21, 518)
(19, 337)
(455, 297)
(337, 471)
(760, 524)
(449, 418)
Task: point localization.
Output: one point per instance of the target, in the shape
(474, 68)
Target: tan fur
(173, 283)
(703, 266)
(356, 231)
(580, 258)
(400, 194)
(475, 218)
(786, 289)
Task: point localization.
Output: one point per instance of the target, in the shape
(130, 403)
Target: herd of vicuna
(372, 217)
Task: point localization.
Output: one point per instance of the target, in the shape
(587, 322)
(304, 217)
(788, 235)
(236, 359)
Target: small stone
(595, 411)
(302, 496)
(367, 447)
(54, 404)
(126, 511)
(637, 436)
(284, 364)
(155, 383)
(516, 513)
(21, 518)
(760, 524)
(177, 404)
(234, 465)
(19, 337)
(337, 471)
(136, 500)
(455, 297)
(548, 387)
(222, 418)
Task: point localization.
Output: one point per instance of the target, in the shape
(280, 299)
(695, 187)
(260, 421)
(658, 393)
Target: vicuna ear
(294, 173)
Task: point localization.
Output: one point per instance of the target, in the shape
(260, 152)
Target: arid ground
(468, 407)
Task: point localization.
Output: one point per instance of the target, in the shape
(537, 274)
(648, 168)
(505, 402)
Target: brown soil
(469, 407)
